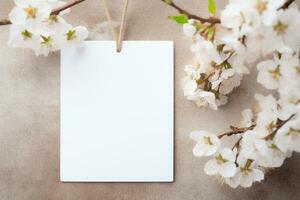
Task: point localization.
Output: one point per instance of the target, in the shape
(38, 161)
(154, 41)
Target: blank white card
(117, 112)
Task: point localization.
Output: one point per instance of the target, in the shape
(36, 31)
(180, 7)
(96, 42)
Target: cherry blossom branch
(211, 20)
(286, 4)
(64, 7)
(56, 11)
(278, 126)
(237, 144)
(236, 130)
(4, 22)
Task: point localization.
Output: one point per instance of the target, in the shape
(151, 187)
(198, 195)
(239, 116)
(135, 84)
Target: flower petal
(257, 175)
(17, 16)
(228, 169)
(199, 150)
(211, 167)
(210, 150)
(246, 181)
(198, 135)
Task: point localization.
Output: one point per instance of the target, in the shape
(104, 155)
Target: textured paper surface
(30, 119)
(117, 112)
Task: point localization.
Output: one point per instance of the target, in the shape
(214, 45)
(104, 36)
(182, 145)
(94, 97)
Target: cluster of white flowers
(224, 51)
(266, 138)
(249, 29)
(33, 26)
(219, 64)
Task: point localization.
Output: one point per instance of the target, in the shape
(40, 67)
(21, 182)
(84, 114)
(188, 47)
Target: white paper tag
(117, 112)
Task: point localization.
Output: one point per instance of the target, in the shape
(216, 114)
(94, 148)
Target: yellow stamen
(47, 41)
(298, 69)
(293, 131)
(220, 159)
(271, 127)
(31, 11)
(275, 73)
(261, 6)
(207, 140)
(26, 35)
(280, 28)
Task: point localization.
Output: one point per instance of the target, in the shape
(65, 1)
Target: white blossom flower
(222, 163)
(192, 71)
(207, 143)
(189, 29)
(238, 63)
(221, 100)
(30, 13)
(274, 158)
(221, 76)
(229, 84)
(288, 136)
(267, 9)
(206, 53)
(246, 174)
(237, 58)
(73, 36)
(266, 103)
(241, 17)
(230, 41)
(189, 89)
(287, 108)
(267, 117)
(46, 45)
(261, 43)
(247, 120)
(286, 27)
(269, 74)
(54, 24)
(204, 98)
(289, 86)
(34, 27)
(253, 145)
(21, 37)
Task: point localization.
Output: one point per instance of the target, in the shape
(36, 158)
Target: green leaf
(168, 1)
(180, 19)
(212, 7)
(198, 25)
(211, 33)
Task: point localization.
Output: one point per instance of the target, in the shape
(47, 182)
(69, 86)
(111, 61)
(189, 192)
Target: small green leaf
(212, 7)
(211, 33)
(180, 19)
(168, 1)
(198, 25)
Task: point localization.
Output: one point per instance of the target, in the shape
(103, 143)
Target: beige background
(29, 120)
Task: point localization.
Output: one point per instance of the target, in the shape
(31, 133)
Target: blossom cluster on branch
(37, 27)
(248, 31)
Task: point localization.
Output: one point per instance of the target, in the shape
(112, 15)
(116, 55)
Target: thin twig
(228, 57)
(236, 130)
(278, 126)
(286, 4)
(237, 144)
(211, 20)
(56, 11)
(64, 7)
(4, 22)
